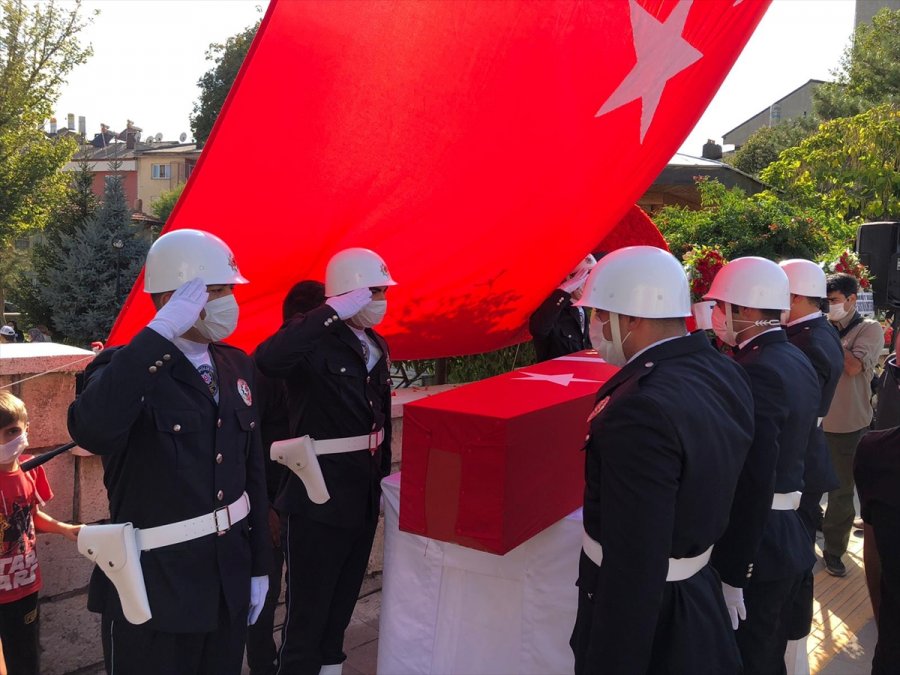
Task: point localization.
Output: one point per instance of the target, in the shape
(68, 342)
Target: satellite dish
(157, 138)
(183, 137)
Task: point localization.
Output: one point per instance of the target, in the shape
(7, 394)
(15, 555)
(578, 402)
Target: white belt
(217, 522)
(679, 568)
(786, 501)
(336, 446)
(819, 422)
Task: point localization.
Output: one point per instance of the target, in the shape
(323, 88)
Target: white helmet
(355, 268)
(751, 282)
(642, 281)
(182, 255)
(805, 277)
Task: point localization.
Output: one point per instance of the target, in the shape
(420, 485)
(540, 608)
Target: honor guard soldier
(182, 567)
(337, 373)
(558, 326)
(809, 331)
(765, 552)
(668, 437)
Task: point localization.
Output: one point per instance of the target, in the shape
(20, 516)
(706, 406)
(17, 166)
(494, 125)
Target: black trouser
(139, 650)
(262, 657)
(325, 570)
(886, 524)
(800, 620)
(763, 637)
(19, 632)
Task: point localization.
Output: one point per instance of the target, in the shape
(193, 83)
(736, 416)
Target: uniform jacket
(662, 461)
(331, 395)
(819, 340)
(170, 453)
(556, 327)
(762, 543)
(887, 411)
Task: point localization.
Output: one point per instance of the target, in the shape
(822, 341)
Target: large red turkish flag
(481, 147)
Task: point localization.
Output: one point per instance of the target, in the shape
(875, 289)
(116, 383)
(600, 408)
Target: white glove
(576, 282)
(350, 303)
(259, 588)
(734, 601)
(182, 310)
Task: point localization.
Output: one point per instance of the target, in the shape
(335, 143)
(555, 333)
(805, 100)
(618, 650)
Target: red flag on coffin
(480, 147)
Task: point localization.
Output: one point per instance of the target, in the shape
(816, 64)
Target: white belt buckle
(222, 530)
(373, 442)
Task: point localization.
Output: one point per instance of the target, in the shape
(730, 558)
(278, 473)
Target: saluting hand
(182, 309)
(575, 282)
(350, 303)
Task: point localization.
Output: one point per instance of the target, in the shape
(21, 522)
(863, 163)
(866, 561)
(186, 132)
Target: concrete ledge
(41, 357)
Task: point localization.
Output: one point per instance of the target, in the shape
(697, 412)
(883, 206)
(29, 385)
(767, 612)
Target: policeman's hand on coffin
(181, 311)
(349, 304)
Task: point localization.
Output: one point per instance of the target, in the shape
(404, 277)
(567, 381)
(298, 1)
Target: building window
(161, 171)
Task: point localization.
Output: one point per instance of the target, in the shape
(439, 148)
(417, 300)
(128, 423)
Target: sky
(149, 54)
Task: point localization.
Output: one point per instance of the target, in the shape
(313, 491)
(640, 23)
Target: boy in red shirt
(21, 496)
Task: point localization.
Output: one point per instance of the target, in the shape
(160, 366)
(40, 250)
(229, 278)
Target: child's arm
(45, 523)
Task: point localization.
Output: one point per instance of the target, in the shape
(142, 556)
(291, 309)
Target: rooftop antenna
(157, 138)
(182, 138)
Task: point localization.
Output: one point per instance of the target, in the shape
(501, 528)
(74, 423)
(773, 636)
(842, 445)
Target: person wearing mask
(183, 566)
(763, 555)
(559, 326)
(668, 437)
(337, 374)
(850, 413)
(262, 655)
(809, 331)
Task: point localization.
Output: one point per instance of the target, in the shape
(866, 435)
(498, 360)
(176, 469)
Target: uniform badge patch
(598, 409)
(244, 390)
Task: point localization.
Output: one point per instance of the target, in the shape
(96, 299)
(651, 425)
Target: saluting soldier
(337, 373)
(560, 326)
(809, 331)
(765, 551)
(668, 437)
(173, 417)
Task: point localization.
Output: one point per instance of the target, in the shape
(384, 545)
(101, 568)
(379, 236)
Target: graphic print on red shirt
(19, 494)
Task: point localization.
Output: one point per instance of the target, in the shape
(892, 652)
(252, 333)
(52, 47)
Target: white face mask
(836, 312)
(221, 318)
(9, 451)
(610, 350)
(371, 315)
(723, 325)
(785, 316)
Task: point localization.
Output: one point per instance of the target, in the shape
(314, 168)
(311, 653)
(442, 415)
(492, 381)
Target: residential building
(798, 103)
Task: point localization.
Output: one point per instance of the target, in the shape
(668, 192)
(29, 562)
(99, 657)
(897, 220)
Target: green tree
(869, 73)
(216, 82)
(762, 224)
(765, 144)
(82, 290)
(850, 167)
(81, 203)
(39, 47)
(162, 206)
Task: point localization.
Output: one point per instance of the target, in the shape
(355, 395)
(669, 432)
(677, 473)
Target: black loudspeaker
(878, 247)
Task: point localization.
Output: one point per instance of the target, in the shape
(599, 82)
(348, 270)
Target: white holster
(114, 549)
(300, 456)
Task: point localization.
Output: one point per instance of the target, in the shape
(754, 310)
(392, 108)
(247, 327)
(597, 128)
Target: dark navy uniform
(887, 410)
(330, 395)
(877, 472)
(662, 462)
(558, 327)
(766, 551)
(171, 453)
(818, 339)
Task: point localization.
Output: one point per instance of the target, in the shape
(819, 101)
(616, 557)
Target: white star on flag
(661, 54)
(562, 380)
